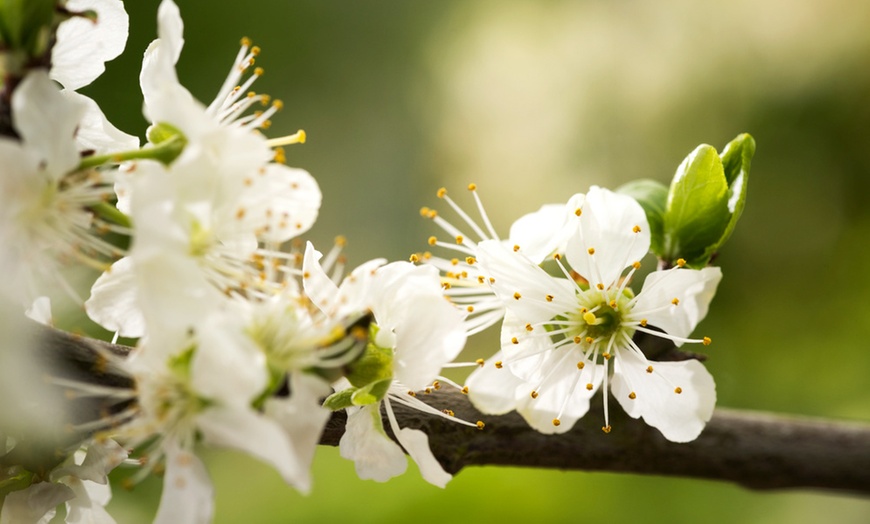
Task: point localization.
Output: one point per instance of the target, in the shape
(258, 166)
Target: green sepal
(15, 481)
(168, 142)
(652, 197)
(374, 365)
(371, 393)
(736, 160)
(340, 399)
(696, 214)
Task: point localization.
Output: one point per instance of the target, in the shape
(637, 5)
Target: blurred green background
(535, 101)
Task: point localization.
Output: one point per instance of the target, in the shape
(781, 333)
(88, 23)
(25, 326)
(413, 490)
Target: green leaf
(736, 160)
(371, 393)
(696, 215)
(652, 197)
(374, 365)
(26, 24)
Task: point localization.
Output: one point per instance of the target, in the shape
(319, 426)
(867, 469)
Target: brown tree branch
(756, 450)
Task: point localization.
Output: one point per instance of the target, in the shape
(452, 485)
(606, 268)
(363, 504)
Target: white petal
(286, 201)
(514, 273)
(317, 285)
(35, 504)
(565, 385)
(113, 302)
(188, 495)
(607, 226)
(694, 289)
(40, 311)
(95, 132)
(47, 121)
(254, 434)
(84, 46)
(545, 231)
(88, 507)
(416, 443)
(228, 366)
(375, 456)
(680, 417)
(302, 417)
(492, 390)
(101, 458)
(170, 29)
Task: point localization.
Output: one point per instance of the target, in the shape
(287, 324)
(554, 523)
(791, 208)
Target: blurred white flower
(81, 482)
(45, 220)
(416, 333)
(557, 328)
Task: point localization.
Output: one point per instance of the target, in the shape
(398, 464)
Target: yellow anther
(480, 279)
(556, 422)
(578, 339)
(636, 229)
(480, 424)
(589, 317)
(255, 50)
(635, 265)
(427, 391)
(424, 211)
(306, 275)
(246, 42)
(632, 395)
(606, 429)
(591, 250)
(589, 386)
(454, 261)
(515, 340)
(681, 262)
(678, 390)
(516, 248)
(432, 240)
(441, 192)
(612, 304)
(643, 322)
(279, 105)
(529, 327)
(649, 369)
(280, 157)
(578, 211)
(600, 286)
(472, 187)
(675, 301)
(480, 362)
(498, 364)
(464, 390)
(459, 239)
(606, 356)
(707, 341)
(411, 393)
(433, 213)
(448, 412)
(581, 365)
(470, 260)
(259, 71)
(589, 340)
(549, 298)
(534, 394)
(340, 241)
(446, 285)
(414, 258)
(240, 213)
(470, 309)
(517, 296)
(557, 256)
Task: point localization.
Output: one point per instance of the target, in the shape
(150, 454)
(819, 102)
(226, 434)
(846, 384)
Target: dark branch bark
(756, 450)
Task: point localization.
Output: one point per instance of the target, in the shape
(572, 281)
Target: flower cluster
(247, 338)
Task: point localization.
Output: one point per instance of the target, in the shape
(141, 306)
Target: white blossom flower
(45, 216)
(80, 482)
(565, 337)
(404, 355)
